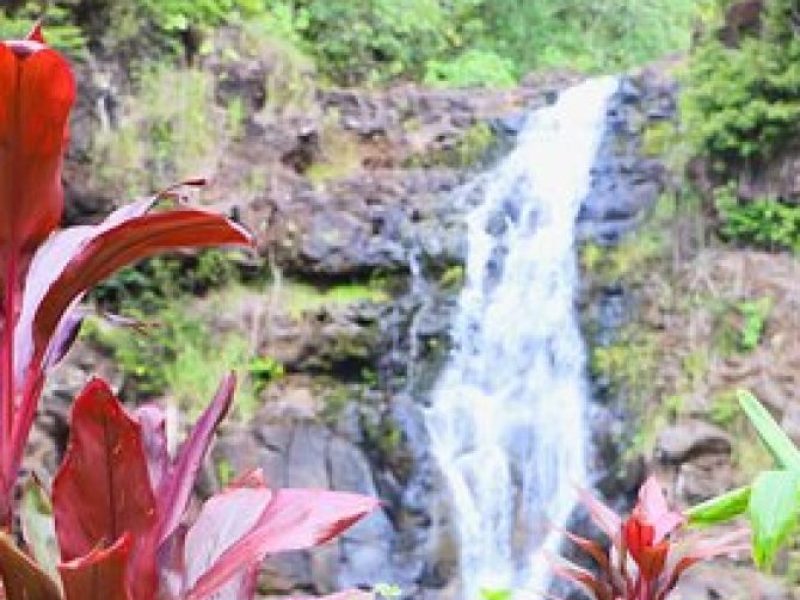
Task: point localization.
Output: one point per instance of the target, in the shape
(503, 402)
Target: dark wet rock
(690, 439)
(626, 181)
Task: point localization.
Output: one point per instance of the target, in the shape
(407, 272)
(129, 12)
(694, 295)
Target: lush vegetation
(446, 42)
(117, 525)
(743, 92)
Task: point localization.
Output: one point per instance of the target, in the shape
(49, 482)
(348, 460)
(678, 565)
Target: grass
(298, 298)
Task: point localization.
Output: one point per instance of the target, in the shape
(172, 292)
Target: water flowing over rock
(507, 421)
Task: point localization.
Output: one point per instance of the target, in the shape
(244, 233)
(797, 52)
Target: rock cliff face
(360, 190)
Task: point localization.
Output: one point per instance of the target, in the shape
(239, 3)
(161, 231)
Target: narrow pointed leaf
(730, 543)
(176, 488)
(100, 575)
(605, 518)
(776, 441)
(293, 520)
(593, 549)
(599, 589)
(22, 578)
(38, 528)
(720, 509)
(110, 248)
(774, 509)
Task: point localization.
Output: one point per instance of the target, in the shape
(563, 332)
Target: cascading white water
(507, 419)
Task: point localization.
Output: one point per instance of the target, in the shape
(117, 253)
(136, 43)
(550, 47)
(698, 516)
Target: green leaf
(774, 508)
(489, 594)
(38, 528)
(719, 509)
(777, 442)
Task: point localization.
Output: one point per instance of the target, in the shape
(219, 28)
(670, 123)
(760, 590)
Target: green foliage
(453, 277)
(783, 451)
(487, 594)
(755, 314)
(586, 34)
(357, 41)
(724, 408)
(772, 502)
(472, 68)
(387, 591)
(170, 132)
(740, 324)
(773, 509)
(177, 353)
(744, 102)
(149, 286)
(444, 42)
(763, 223)
(720, 509)
(264, 370)
(627, 364)
(298, 298)
(62, 32)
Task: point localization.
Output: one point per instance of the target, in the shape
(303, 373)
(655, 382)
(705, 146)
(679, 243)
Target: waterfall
(507, 418)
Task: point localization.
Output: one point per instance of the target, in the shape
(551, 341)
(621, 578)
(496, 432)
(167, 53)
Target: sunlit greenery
(445, 42)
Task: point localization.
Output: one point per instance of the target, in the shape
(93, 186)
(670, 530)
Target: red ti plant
(120, 504)
(44, 272)
(646, 557)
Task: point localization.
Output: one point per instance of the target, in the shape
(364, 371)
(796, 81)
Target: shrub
(763, 223)
(743, 102)
(472, 68)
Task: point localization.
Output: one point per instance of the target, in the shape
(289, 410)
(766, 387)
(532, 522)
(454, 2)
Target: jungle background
(337, 130)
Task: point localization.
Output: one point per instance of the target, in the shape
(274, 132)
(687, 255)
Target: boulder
(690, 439)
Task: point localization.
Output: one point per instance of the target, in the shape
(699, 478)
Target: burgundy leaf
(22, 578)
(293, 520)
(94, 256)
(37, 90)
(593, 549)
(176, 488)
(100, 575)
(102, 489)
(584, 578)
(153, 421)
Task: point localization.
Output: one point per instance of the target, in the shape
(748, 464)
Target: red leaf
(176, 488)
(22, 578)
(653, 508)
(94, 254)
(100, 575)
(74, 260)
(582, 577)
(224, 520)
(293, 520)
(37, 90)
(593, 549)
(102, 490)
(605, 518)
